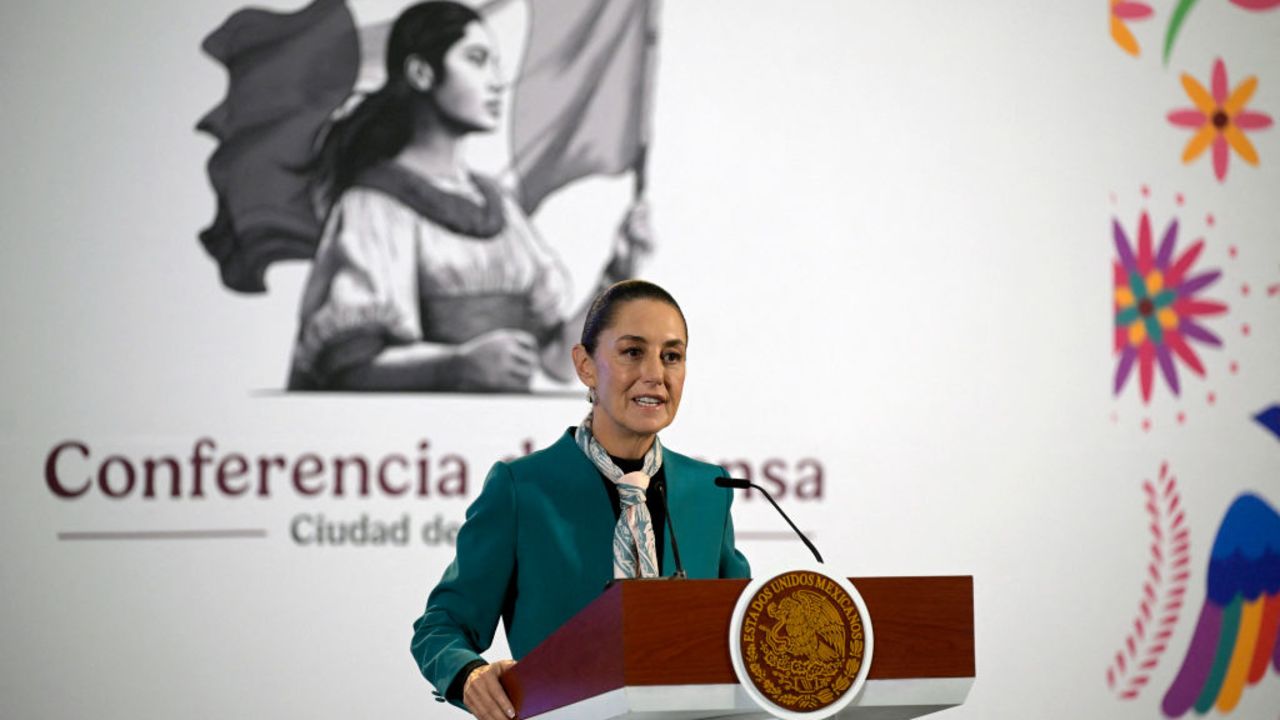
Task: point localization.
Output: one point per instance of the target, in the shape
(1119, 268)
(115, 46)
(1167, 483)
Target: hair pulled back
(382, 124)
(604, 309)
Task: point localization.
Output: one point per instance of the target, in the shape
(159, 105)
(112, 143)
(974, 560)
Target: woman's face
(637, 371)
(471, 91)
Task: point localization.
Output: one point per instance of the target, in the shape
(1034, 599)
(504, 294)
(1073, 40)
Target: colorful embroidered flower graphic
(1220, 119)
(1156, 307)
(1122, 10)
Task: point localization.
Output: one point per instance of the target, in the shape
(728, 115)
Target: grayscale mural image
(425, 275)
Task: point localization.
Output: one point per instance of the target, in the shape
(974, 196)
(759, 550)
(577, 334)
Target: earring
(591, 396)
(418, 73)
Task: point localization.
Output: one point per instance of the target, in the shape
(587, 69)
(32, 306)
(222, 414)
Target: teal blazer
(537, 547)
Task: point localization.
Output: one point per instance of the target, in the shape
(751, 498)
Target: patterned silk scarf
(634, 554)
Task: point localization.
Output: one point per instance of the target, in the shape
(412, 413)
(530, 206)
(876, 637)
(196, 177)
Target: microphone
(671, 528)
(680, 574)
(739, 484)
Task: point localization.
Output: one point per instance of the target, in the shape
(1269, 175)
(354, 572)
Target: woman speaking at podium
(549, 530)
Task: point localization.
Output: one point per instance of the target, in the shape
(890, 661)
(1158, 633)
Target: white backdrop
(889, 225)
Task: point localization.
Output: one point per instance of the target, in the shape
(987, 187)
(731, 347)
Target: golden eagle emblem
(802, 640)
(808, 627)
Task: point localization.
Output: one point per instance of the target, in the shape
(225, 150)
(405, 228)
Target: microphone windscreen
(733, 483)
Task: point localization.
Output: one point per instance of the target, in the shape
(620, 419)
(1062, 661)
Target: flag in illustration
(581, 107)
(285, 75)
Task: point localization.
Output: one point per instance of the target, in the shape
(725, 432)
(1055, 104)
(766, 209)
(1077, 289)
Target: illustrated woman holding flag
(607, 501)
(429, 276)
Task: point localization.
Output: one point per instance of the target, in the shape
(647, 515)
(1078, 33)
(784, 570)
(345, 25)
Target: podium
(659, 650)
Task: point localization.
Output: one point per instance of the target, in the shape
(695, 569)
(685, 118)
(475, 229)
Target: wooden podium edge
(675, 633)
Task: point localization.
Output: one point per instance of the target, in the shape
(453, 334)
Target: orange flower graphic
(1220, 119)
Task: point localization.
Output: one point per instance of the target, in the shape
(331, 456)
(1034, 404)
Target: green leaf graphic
(1175, 25)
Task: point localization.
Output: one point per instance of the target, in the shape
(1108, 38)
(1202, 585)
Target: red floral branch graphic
(1163, 589)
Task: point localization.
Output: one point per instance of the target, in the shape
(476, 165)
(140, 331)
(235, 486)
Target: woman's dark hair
(605, 307)
(382, 124)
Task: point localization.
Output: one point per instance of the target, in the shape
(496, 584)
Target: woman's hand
(502, 359)
(483, 694)
(632, 244)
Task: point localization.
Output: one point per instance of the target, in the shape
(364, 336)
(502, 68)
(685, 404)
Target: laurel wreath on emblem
(800, 659)
(801, 643)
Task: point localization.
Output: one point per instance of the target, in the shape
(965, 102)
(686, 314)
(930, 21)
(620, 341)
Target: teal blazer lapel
(581, 501)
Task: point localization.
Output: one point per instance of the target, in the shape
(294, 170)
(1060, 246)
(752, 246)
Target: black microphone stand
(740, 484)
(680, 574)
